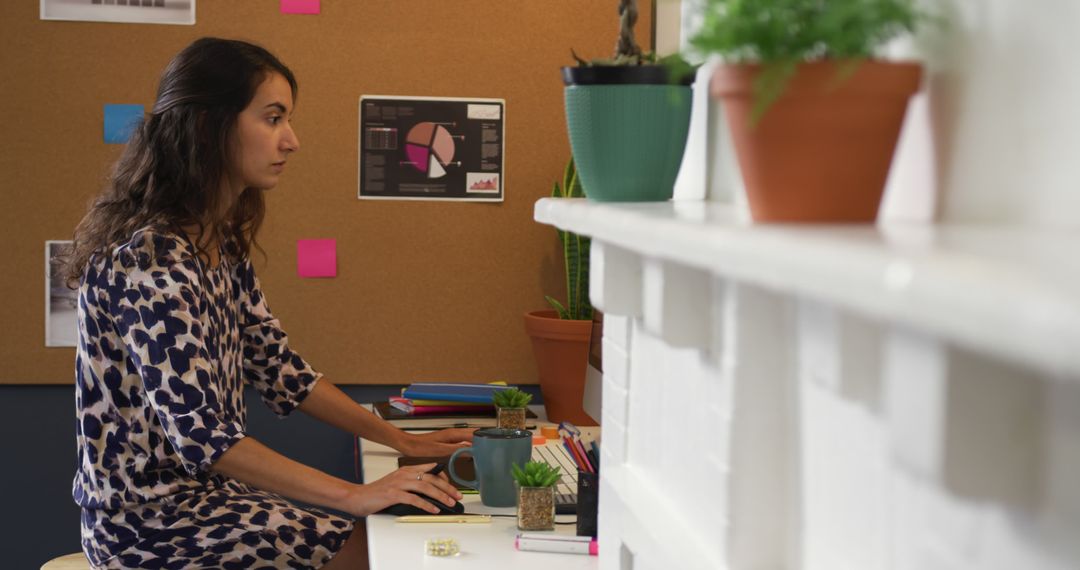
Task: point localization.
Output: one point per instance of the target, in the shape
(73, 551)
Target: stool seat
(75, 561)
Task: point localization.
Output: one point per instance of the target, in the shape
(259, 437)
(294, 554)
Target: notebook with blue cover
(479, 393)
(388, 412)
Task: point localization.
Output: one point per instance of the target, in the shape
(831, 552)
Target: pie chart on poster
(430, 148)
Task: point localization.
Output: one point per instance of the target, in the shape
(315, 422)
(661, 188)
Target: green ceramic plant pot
(628, 140)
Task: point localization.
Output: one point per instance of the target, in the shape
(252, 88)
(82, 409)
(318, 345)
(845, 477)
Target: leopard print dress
(166, 344)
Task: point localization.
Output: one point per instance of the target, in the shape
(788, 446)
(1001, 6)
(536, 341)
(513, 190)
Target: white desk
(393, 545)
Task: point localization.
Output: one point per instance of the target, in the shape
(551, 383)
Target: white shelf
(1009, 291)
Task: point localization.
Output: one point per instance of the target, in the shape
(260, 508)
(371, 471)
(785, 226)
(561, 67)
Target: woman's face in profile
(264, 138)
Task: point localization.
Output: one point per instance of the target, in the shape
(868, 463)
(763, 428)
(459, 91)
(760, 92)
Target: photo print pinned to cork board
(180, 12)
(436, 148)
(61, 303)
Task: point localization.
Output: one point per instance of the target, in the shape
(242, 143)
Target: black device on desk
(403, 509)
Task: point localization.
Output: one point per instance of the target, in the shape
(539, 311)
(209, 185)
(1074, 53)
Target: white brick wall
(797, 436)
(841, 443)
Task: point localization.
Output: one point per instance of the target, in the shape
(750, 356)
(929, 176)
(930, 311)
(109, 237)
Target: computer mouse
(403, 509)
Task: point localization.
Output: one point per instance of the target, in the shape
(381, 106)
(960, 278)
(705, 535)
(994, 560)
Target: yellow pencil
(462, 519)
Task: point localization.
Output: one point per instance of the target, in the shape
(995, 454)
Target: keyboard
(566, 489)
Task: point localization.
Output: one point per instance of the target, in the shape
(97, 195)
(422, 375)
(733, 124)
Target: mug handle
(474, 484)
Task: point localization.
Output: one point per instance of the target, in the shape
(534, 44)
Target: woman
(172, 324)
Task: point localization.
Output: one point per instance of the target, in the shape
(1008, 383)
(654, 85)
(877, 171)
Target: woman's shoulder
(151, 247)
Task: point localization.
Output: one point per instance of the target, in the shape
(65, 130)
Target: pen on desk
(453, 519)
(584, 456)
(578, 453)
(572, 450)
(556, 543)
(595, 460)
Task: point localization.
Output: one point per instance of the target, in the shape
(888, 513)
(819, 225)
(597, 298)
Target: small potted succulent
(510, 407)
(536, 495)
(814, 112)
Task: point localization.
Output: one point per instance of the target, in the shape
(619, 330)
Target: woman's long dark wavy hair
(170, 174)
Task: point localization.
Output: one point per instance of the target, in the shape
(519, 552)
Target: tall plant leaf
(559, 308)
(575, 254)
(585, 309)
(556, 192)
(572, 256)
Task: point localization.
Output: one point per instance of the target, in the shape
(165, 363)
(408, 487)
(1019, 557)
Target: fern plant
(512, 398)
(536, 474)
(782, 33)
(575, 256)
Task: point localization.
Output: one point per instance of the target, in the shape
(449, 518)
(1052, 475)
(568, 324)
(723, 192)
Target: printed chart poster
(415, 148)
(61, 303)
(135, 11)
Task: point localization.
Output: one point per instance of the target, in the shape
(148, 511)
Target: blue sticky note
(120, 122)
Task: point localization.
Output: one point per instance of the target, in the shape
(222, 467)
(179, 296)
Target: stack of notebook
(454, 393)
(437, 400)
(419, 407)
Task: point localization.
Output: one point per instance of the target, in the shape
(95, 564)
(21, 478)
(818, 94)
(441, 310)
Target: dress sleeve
(280, 375)
(159, 319)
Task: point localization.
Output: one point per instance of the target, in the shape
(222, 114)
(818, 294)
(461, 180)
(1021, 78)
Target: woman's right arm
(255, 464)
(158, 315)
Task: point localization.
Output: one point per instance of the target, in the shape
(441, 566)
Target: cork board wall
(425, 290)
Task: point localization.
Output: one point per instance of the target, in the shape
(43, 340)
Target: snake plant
(575, 256)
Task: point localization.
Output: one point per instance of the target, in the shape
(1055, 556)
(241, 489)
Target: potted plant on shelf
(510, 408)
(560, 336)
(813, 114)
(536, 495)
(628, 117)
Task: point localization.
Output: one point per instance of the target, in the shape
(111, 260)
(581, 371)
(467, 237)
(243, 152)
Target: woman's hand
(434, 444)
(395, 488)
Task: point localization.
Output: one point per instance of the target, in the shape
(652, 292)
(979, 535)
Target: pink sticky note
(316, 257)
(299, 6)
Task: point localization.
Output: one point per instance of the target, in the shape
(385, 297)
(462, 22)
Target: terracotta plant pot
(561, 348)
(821, 152)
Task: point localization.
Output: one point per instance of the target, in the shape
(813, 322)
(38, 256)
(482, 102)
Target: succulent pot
(510, 418)
(561, 348)
(627, 127)
(821, 152)
(536, 508)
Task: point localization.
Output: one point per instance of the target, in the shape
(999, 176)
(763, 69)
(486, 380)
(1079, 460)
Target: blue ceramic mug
(494, 450)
